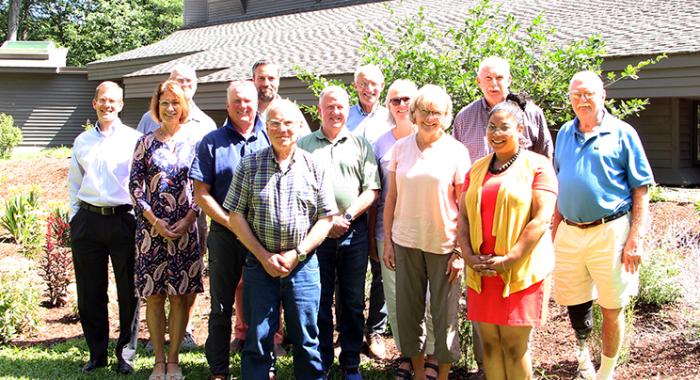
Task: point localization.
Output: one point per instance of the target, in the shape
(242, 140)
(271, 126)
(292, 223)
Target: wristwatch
(300, 255)
(347, 216)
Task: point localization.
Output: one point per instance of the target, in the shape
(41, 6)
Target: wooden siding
(143, 86)
(676, 76)
(223, 10)
(49, 108)
(195, 11)
(115, 70)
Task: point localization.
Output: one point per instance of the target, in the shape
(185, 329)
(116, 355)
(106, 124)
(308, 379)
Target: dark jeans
(377, 315)
(299, 293)
(345, 257)
(95, 240)
(226, 256)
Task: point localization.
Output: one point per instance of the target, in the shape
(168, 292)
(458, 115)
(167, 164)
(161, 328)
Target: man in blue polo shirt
(218, 155)
(603, 209)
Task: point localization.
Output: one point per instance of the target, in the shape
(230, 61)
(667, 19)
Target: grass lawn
(63, 360)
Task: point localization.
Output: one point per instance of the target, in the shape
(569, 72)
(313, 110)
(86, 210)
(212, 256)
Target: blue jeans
(299, 293)
(345, 257)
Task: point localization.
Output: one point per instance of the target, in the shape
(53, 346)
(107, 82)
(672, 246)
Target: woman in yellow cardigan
(507, 204)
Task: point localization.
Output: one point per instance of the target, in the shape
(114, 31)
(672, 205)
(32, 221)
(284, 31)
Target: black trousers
(226, 258)
(96, 239)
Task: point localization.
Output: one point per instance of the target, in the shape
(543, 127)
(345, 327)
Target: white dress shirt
(100, 165)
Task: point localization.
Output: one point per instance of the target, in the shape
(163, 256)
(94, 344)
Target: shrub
(596, 336)
(658, 279)
(10, 136)
(697, 206)
(22, 220)
(656, 194)
(18, 305)
(55, 266)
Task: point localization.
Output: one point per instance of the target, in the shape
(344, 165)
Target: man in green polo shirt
(350, 162)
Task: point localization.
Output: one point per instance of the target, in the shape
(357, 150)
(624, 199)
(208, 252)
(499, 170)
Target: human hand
(389, 258)
(164, 230)
(479, 264)
(290, 260)
(274, 265)
(339, 228)
(181, 226)
(497, 264)
(632, 256)
(455, 266)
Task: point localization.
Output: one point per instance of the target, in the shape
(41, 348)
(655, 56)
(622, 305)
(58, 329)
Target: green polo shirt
(350, 161)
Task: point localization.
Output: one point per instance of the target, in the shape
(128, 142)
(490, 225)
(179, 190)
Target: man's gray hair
(334, 89)
(493, 61)
(240, 85)
(290, 109)
(185, 70)
(589, 77)
(369, 70)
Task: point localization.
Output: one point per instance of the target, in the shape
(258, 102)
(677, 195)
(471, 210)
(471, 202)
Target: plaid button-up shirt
(470, 129)
(280, 206)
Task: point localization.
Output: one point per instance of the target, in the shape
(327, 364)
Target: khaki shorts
(589, 265)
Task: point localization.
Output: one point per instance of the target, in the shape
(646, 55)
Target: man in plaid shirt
(282, 205)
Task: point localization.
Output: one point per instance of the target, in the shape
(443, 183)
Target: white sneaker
(585, 365)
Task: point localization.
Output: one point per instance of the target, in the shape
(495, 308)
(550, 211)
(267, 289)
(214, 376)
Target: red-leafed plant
(56, 264)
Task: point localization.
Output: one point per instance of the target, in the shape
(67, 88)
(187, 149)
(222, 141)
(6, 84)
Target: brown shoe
(375, 343)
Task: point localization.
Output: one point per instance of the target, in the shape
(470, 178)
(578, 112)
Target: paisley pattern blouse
(160, 182)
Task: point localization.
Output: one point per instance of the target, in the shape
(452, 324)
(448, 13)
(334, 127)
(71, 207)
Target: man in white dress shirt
(103, 229)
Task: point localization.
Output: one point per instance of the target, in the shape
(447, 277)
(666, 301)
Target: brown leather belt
(107, 210)
(600, 221)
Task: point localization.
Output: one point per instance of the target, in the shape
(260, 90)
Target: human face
(282, 129)
(334, 112)
(587, 98)
(503, 133)
(494, 82)
(368, 87)
(399, 104)
(267, 81)
(242, 106)
(108, 104)
(188, 82)
(430, 117)
(169, 108)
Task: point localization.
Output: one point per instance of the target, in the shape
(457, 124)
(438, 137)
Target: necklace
(505, 166)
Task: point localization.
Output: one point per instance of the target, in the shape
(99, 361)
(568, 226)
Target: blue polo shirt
(220, 152)
(597, 174)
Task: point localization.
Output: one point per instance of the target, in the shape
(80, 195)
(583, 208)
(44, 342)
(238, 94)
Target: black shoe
(92, 365)
(124, 368)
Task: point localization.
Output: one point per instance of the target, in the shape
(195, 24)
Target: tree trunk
(13, 20)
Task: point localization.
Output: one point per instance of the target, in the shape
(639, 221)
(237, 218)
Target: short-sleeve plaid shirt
(280, 206)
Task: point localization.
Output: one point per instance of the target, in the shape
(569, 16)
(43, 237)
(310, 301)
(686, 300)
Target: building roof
(32, 55)
(327, 41)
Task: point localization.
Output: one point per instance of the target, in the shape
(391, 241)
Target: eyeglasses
(399, 100)
(429, 113)
(276, 124)
(503, 129)
(166, 104)
(104, 101)
(587, 94)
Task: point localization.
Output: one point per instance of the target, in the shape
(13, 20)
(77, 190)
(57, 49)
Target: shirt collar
(117, 123)
(605, 127)
(362, 111)
(344, 133)
(258, 128)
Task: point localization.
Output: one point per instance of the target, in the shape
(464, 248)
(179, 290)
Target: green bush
(19, 302)
(697, 206)
(22, 220)
(656, 194)
(10, 136)
(658, 279)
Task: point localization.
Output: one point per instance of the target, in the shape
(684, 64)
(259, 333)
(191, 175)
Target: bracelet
(456, 253)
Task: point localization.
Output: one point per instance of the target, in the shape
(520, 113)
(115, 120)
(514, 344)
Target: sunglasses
(398, 101)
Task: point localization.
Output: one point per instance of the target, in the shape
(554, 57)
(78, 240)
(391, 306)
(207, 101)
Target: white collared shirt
(100, 165)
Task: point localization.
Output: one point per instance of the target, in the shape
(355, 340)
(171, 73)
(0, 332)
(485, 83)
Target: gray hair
(184, 69)
(289, 107)
(431, 93)
(403, 84)
(589, 77)
(493, 61)
(369, 69)
(240, 85)
(334, 89)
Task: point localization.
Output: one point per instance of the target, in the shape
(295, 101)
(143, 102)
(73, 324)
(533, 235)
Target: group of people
(298, 216)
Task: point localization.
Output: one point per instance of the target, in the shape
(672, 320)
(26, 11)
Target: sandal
(403, 373)
(160, 375)
(176, 374)
(434, 367)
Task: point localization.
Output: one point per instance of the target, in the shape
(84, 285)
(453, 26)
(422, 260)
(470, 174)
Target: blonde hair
(431, 93)
(174, 87)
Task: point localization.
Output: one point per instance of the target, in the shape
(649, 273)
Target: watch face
(347, 217)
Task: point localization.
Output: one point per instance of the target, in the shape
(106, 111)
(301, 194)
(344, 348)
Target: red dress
(526, 307)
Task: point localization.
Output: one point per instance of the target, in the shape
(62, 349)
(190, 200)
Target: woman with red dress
(506, 209)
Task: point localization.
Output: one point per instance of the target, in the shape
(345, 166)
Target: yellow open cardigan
(512, 213)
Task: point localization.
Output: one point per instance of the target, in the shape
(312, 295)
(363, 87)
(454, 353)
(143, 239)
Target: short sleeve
(545, 178)
(638, 168)
(238, 196)
(465, 185)
(325, 198)
(370, 170)
(203, 164)
(463, 162)
(394, 158)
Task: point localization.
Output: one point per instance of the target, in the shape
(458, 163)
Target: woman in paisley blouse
(168, 263)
